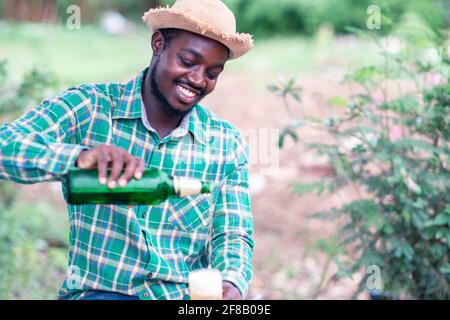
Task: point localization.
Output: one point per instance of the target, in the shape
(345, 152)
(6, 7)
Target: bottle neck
(186, 187)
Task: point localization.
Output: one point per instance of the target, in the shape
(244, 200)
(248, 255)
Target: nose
(197, 79)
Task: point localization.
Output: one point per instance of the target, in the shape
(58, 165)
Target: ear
(157, 43)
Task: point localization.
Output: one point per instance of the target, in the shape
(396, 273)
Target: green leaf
(402, 249)
(419, 219)
(293, 135)
(419, 145)
(281, 140)
(296, 96)
(288, 131)
(403, 105)
(273, 88)
(337, 102)
(388, 229)
(441, 219)
(302, 188)
(445, 269)
(330, 246)
(406, 216)
(369, 76)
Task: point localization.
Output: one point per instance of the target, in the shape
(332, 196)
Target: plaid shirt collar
(131, 106)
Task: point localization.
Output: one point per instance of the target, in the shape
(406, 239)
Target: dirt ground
(286, 264)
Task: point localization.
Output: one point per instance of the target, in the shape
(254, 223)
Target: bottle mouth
(206, 188)
(187, 186)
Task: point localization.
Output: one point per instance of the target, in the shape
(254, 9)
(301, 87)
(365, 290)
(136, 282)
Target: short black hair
(170, 34)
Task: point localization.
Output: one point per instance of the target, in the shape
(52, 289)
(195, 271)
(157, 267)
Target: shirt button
(150, 274)
(144, 215)
(160, 147)
(146, 294)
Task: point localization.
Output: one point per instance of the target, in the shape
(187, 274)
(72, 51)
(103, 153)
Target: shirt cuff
(60, 158)
(238, 280)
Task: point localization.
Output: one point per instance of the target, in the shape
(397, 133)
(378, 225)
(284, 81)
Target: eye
(186, 62)
(212, 75)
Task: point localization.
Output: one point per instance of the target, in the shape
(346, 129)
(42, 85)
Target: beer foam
(205, 282)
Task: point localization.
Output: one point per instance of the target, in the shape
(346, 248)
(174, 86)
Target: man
(154, 120)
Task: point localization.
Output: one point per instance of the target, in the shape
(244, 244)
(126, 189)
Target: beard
(161, 98)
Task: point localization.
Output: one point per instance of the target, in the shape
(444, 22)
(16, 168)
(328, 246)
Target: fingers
(102, 163)
(86, 160)
(131, 165)
(140, 169)
(117, 159)
(124, 165)
(134, 168)
(117, 163)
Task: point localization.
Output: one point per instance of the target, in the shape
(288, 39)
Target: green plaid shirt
(146, 251)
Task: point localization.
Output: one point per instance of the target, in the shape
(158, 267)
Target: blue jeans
(105, 295)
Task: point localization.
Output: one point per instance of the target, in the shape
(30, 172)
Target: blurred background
(45, 46)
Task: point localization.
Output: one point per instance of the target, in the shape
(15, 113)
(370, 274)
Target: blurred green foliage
(33, 244)
(293, 17)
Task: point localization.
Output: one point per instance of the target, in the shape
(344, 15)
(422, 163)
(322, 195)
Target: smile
(186, 94)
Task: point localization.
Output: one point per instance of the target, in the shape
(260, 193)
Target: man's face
(187, 71)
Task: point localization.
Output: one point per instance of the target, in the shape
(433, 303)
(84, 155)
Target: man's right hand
(118, 159)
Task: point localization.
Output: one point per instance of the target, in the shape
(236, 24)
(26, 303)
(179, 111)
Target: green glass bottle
(154, 187)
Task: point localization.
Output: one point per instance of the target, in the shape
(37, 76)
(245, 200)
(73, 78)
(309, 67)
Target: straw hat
(210, 18)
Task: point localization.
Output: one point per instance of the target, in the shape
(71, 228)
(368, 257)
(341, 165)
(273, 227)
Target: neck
(158, 117)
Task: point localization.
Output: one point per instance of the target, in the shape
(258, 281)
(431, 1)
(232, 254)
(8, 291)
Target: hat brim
(161, 18)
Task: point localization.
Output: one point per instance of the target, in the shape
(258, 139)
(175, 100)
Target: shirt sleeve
(41, 145)
(232, 242)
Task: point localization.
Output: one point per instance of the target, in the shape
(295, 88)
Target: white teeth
(186, 92)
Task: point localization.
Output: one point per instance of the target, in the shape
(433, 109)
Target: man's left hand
(230, 292)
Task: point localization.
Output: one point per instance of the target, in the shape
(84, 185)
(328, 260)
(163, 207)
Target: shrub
(16, 97)
(396, 151)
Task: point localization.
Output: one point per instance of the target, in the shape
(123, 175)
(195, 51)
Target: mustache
(187, 83)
